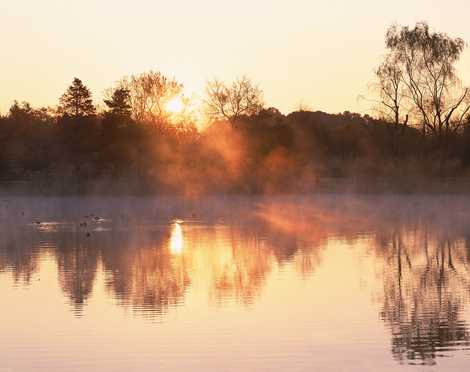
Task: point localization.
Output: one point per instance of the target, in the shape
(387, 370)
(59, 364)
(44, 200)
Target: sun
(175, 105)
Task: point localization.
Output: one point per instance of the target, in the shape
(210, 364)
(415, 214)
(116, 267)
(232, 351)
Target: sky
(318, 53)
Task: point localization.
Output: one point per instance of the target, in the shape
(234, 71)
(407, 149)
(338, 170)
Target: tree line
(419, 129)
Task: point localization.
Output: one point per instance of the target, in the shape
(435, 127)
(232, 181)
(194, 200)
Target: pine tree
(119, 103)
(77, 102)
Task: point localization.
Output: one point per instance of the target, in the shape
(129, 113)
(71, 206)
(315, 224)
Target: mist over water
(324, 282)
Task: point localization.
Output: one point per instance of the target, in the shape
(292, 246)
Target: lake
(232, 283)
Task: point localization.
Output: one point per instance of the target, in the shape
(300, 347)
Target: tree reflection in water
(421, 255)
(149, 268)
(142, 271)
(19, 255)
(77, 263)
(426, 283)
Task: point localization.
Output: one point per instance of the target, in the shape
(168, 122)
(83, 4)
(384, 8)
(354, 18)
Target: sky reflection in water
(239, 283)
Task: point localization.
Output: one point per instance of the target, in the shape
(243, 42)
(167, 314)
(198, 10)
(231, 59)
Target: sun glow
(175, 105)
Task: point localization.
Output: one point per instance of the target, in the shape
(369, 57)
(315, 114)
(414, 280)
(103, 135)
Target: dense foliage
(260, 153)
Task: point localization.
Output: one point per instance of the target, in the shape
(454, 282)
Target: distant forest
(147, 137)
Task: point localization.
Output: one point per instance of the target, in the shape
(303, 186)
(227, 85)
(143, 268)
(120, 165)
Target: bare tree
(424, 62)
(303, 107)
(392, 98)
(149, 94)
(230, 102)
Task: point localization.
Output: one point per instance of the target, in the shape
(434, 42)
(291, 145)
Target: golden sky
(318, 52)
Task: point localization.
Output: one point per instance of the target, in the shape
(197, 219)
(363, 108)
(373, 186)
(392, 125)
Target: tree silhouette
(230, 102)
(20, 112)
(119, 102)
(424, 62)
(148, 145)
(77, 102)
(149, 93)
(392, 98)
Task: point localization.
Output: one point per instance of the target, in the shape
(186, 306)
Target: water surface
(235, 284)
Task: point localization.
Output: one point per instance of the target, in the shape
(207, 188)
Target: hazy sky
(319, 52)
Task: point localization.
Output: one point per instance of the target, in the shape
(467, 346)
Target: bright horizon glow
(320, 53)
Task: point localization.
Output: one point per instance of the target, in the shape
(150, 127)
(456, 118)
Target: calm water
(235, 284)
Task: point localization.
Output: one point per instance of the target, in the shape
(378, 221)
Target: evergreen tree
(77, 102)
(119, 103)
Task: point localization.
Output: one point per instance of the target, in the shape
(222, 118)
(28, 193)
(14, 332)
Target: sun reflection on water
(176, 239)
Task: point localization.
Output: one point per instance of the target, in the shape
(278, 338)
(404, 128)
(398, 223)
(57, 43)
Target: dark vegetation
(418, 141)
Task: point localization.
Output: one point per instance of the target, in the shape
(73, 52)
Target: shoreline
(325, 185)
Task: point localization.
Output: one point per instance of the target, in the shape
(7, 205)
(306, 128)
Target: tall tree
(149, 94)
(424, 62)
(392, 99)
(230, 102)
(77, 101)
